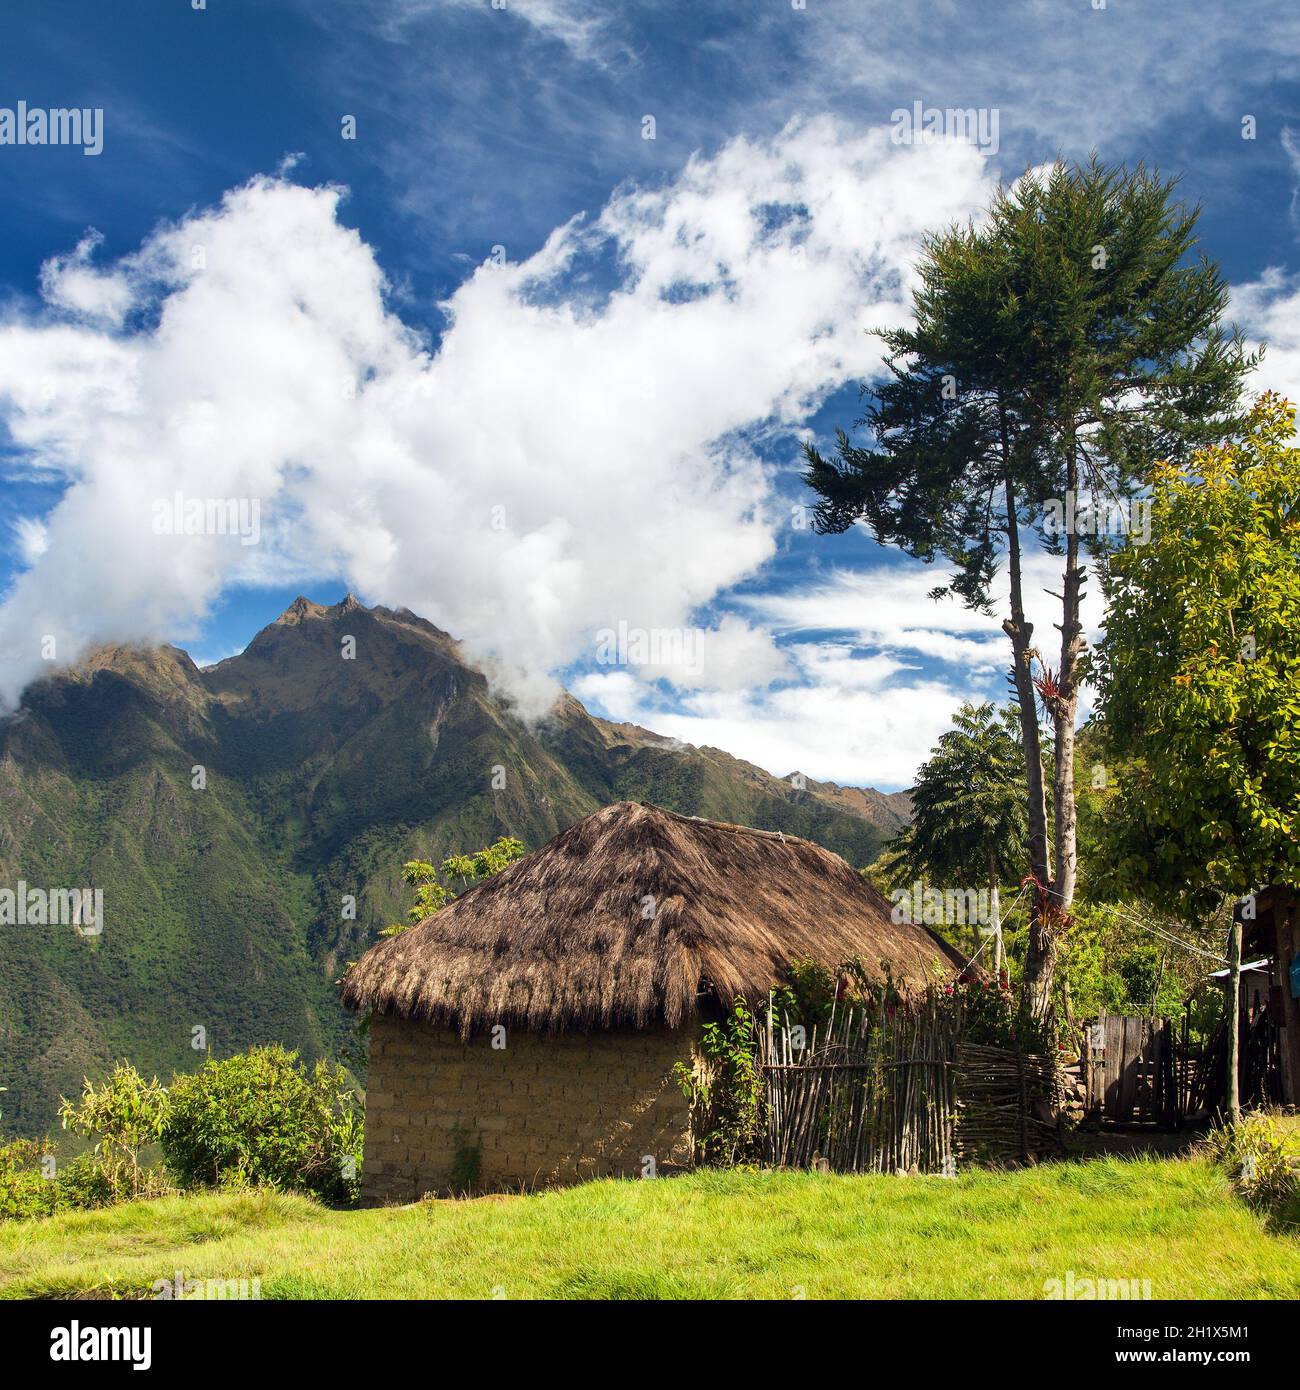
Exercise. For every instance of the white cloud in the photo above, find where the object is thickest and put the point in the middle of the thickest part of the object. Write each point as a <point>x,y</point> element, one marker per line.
<point>1116,72</point>
<point>619,694</point>
<point>561,461</point>
<point>866,705</point>
<point>30,538</point>
<point>73,283</point>
<point>829,732</point>
<point>888,607</point>
<point>1268,309</point>
<point>732,655</point>
<point>1291,148</point>
<point>583,29</point>
<point>847,722</point>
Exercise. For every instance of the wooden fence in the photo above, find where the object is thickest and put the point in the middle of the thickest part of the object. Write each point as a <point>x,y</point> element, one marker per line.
<point>1144,1071</point>
<point>1009,1104</point>
<point>1259,1067</point>
<point>900,1091</point>
<point>1131,1072</point>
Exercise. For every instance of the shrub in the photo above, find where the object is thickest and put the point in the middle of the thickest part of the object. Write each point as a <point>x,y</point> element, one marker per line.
<point>25,1190</point>
<point>123,1115</point>
<point>90,1181</point>
<point>261,1117</point>
<point>1255,1155</point>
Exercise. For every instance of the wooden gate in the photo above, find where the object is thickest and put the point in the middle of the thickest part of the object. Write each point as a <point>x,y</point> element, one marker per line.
<point>1130,1071</point>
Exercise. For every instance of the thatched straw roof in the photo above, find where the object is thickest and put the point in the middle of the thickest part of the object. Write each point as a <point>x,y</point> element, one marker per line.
<point>566,938</point>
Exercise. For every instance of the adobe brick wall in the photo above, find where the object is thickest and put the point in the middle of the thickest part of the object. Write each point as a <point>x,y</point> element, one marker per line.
<point>547,1109</point>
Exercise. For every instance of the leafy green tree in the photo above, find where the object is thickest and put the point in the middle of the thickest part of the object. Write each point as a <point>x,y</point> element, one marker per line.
<point>436,887</point>
<point>968,809</point>
<point>1061,346</point>
<point>1198,676</point>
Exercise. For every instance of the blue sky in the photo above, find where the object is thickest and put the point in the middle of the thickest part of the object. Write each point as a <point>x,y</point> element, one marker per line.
<point>551,426</point>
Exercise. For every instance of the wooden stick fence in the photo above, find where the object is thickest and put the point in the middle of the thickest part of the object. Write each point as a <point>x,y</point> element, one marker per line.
<point>1009,1104</point>
<point>898,1091</point>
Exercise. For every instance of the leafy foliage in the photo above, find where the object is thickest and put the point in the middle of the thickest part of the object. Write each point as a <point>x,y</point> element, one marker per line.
<point>990,1016</point>
<point>261,1117</point>
<point>968,805</point>
<point>1113,963</point>
<point>1255,1154</point>
<point>1198,678</point>
<point>1066,325</point>
<point>25,1190</point>
<point>727,1097</point>
<point>434,886</point>
<point>969,822</point>
<point>122,1115</point>
<point>32,1185</point>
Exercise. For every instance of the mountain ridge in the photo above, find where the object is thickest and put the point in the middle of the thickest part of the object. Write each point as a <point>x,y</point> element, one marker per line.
<point>248,820</point>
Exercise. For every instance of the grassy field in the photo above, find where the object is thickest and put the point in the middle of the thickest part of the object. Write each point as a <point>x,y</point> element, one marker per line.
<point>709,1235</point>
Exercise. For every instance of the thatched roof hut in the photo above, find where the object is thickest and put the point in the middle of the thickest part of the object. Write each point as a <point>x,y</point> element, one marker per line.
<point>633,917</point>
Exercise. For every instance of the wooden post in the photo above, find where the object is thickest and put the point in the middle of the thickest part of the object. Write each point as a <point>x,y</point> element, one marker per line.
<point>1234,1020</point>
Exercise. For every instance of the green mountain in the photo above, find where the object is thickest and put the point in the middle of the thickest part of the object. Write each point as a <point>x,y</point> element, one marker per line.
<point>247,824</point>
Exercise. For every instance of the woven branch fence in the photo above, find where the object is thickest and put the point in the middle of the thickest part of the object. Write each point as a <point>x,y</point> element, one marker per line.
<point>900,1092</point>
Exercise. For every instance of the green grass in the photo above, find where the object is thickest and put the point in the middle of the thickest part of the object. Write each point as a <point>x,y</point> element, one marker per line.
<point>709,1235</point>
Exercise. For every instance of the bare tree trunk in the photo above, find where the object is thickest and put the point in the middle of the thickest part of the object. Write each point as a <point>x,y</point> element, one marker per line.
<point>1021,633</point>
<point>1040,954</point>
<point>1064,713</point>
<point>1063,703</point>
<point>995,913</point>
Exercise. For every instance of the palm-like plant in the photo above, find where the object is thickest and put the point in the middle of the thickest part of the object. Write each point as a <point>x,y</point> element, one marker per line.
<point>969,826</point>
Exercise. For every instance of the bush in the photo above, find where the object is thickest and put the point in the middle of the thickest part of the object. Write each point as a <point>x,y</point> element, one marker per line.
<point>24,1188</point>
<point>123,1115</point>
<point>726,1093</point>
<point>30,1185</point>
<point>1255,1154</point>
<point>263,1118</point>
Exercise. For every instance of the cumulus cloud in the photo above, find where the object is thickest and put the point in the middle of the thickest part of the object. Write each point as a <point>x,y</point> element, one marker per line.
<point>888,607</point>
<point>30,538</point>
<point>1268,309</point>
<point>566,457</point>
<point>73,283</point>
<point>731,655</point>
